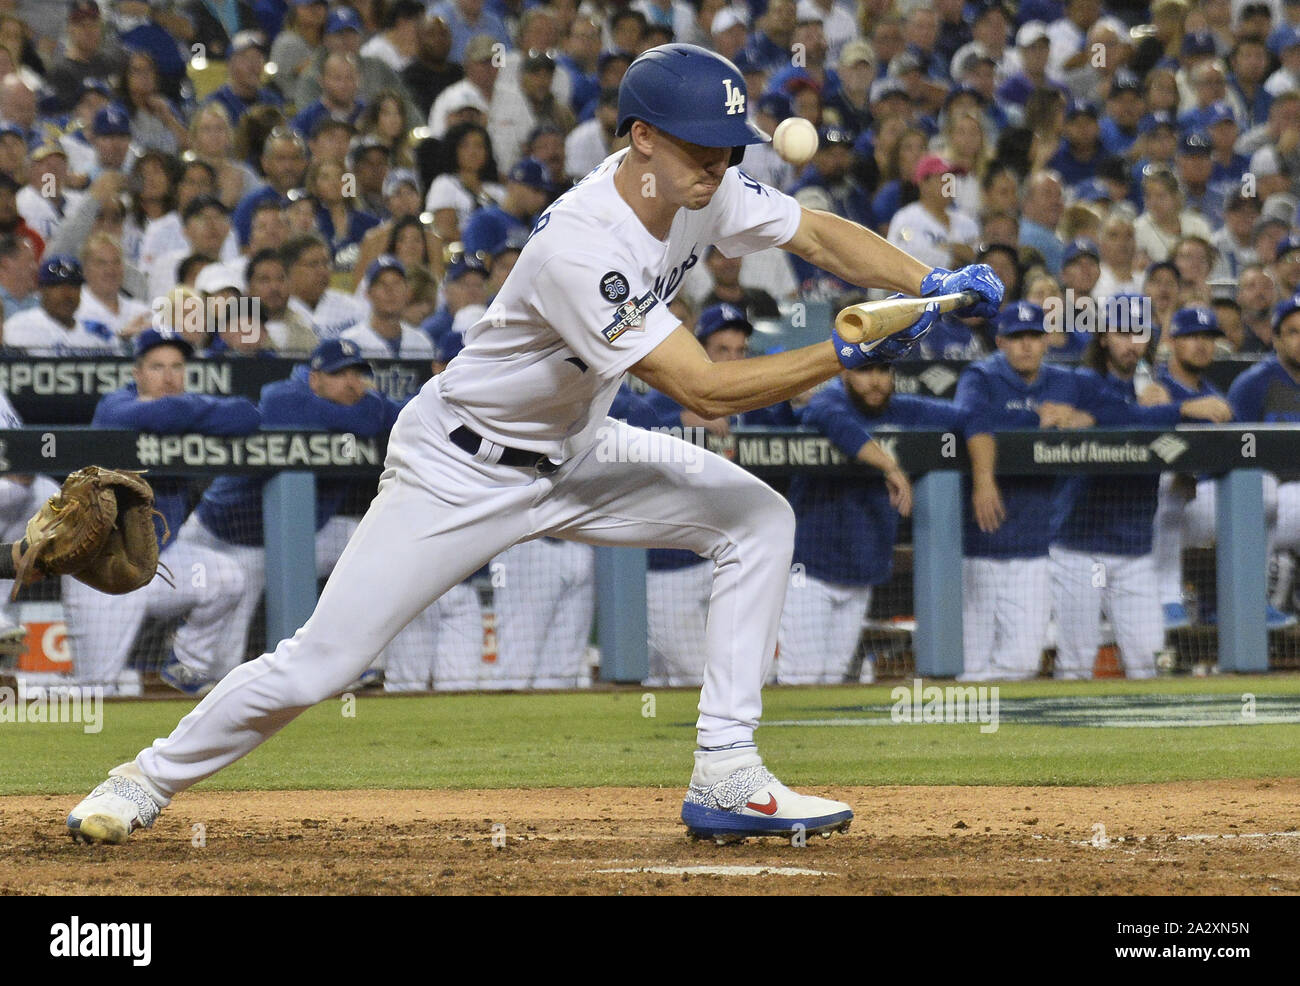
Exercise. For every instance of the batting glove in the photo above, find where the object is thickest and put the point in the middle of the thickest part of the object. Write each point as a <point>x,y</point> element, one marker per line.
<point>978,278</point>
<point>855,355</point>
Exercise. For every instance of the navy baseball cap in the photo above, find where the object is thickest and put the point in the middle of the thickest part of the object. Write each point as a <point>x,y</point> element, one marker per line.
<point>1195,143</point>
<point>465,264</point>
<point>1125,83</point>
<point>1199,43</point>
<point>334,355</point>
<point>514,240</point>
<point>882,89</point>
<point>1292,304</point>
<point>385,262</point>
<point>1286,245</point>
<point>776,104</point>
<point>1196,320</point>
<point>1020,317</point>
<point>1283,38</point>
<point>531,172</point>
<point>1164,265</point>
<point>1219,112</point>
<point>1160,118</point>
<point>112,121</point>
<point>61,268</point>
<point>343,19</point>
<point>1127,313</point>
<point>718,317</point>
<point>1082,247</point>
<point>1081,107</point>
<point>153,338</point>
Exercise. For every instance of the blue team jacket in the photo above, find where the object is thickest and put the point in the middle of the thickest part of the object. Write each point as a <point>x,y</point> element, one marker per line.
<point>995,398</point>
<point>232,506</point>
<point>846,525</point>
<point>1112,514</point>
<point>176,415</point>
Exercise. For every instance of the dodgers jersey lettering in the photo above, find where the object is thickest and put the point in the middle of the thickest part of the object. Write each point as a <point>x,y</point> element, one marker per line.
<point>587,299</point>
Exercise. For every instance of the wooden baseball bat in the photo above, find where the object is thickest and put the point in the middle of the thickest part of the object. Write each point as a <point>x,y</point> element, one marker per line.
<point>874,320</point>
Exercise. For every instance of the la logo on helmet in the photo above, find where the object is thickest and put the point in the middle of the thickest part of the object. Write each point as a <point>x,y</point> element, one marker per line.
<point>735,99</point>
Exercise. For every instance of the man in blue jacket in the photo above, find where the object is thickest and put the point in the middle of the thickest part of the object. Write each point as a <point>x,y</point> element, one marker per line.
<point>331,392</point>
<point>846,526</point>
<point>1006,597</point>
<point>1102,555</point>
<point>1270,392</point>
<point>208,585</point>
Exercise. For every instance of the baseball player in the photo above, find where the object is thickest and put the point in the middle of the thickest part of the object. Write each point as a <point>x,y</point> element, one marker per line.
<point>1101,557</point>
<point>208,585</point>
<point>679,583</point>
<point>54,329</point>
<point>1186,513</point>
<point>330,392</point>
<point>845,530</point>
<point>1270,392</point>
<point>20,497</point>
<point>1006,588</point>
<point>502,447</point>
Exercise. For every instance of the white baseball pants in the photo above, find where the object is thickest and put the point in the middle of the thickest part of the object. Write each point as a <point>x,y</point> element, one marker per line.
<point>251,559</point>
<point>543,605</point>
<point>1125,587</point>
<point>442,648</point>
<point>102,628</point>
<point>1005,608</point>
<point>1183,524</point>
<point>441,514</point>
<point>677,611</point>
<point>820,629</point>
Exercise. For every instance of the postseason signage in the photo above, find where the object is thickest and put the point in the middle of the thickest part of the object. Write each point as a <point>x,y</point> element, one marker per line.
<point>65,391</point>
<point>1201,449</point>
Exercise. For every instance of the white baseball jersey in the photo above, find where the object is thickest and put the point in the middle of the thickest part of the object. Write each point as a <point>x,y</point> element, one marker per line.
<point>413,343</point>
<point>9,418</point>
<point>334,313</point>
<point>37,333</point>
<point>40,214</point>
<point>585,301</point>
<point>915,230</point>
<point>92,309</point>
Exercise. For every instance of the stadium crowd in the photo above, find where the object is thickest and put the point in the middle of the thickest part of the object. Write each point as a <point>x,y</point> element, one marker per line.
<point>270,177</point>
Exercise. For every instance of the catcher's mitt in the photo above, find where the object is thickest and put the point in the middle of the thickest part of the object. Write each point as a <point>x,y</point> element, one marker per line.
<point>98,528</point>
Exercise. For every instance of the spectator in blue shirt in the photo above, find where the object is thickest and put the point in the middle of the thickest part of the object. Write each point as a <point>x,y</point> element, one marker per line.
<point>467,18</point>
<point>242,88</point>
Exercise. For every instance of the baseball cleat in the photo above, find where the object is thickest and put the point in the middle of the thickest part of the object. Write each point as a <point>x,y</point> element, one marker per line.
<point>114,810</point>
<point>751,802</point>
<point>185,680</point>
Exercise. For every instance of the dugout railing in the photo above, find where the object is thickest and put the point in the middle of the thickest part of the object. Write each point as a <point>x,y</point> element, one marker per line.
<point>1237,456</point>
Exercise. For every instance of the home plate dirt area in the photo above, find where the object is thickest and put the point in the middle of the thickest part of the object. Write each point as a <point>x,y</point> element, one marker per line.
<point>1212,837</point>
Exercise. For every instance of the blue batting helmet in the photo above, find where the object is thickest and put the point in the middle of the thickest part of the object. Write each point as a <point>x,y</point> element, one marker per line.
<point>692,93</point>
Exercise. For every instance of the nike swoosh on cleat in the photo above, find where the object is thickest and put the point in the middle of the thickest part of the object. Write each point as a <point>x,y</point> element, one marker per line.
<point>767,809</point>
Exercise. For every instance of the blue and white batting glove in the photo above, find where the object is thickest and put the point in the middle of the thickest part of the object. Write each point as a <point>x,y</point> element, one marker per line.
<point>855,355</point>
<point>978,278</point>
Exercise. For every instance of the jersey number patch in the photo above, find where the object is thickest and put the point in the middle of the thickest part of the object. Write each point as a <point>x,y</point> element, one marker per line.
<point>735,99</point>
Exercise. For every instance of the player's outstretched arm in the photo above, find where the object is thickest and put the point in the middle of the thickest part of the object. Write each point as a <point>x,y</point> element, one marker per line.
<point>855,254</point>
<point>680,368</point>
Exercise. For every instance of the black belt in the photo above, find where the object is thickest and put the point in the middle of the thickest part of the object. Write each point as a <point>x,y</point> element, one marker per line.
<point>471,441</point>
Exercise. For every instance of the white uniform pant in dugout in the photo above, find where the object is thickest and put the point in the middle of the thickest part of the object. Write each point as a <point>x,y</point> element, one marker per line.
<point>441,514</point>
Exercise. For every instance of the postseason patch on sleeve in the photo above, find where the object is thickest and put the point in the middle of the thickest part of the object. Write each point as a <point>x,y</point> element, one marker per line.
<point>614,287</point>
<point>629,315</point>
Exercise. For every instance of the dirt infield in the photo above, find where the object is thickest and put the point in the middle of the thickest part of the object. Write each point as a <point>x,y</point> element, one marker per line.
<point>1220,837</point>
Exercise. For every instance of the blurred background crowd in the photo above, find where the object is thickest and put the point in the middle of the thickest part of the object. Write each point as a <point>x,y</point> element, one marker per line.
<point>277,148</point>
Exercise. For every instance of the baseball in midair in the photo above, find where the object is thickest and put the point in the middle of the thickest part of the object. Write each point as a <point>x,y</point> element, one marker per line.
<point>795,140</point>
